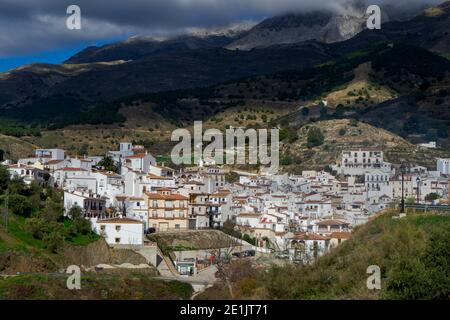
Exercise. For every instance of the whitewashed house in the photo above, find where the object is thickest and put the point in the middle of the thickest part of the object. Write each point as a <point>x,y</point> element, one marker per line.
<point>121,231</point>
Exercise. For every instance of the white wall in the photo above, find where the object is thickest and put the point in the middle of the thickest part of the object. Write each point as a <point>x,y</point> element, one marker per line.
<point>129,233</point>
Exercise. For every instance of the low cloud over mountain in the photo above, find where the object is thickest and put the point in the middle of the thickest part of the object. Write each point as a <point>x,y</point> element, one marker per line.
<point>27,26</point>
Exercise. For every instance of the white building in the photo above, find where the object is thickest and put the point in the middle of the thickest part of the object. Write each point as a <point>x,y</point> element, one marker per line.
<point>121,231</point>
<point>139,162</point>
<point>359,161</point>
<point>27,173</point>
<point>443,166</point>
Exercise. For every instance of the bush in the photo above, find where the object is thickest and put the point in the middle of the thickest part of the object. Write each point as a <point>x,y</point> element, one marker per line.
<point>36,227</point>
<point>353,123</point>
<point>80,224</point>
<point>315,137</point>
<point>108,164</point>
<point>20,205</point>
<point>228,228</point>
<point>4,178</point>
<point>431,196</point>
<point>16,186</point>
<point>286,160</point>
<point>288,134</point>
<point>53,211</point>
<point>51,233</point>
<point>54,237</point>
<point>249,239</point>
<point>342,131</point>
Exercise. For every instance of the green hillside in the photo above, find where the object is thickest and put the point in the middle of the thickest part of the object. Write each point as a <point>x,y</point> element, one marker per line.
<point>413,254</point>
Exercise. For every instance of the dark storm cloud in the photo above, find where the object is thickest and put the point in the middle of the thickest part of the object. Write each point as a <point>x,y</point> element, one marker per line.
<point>28,26</point>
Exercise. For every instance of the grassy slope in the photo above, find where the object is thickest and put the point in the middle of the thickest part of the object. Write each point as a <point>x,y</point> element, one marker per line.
<point>24,252</point>
<point>20,240</point>
<point>16,147</point>
<point>413,254</point>
<point>20,251</point>
<point>94,286</point>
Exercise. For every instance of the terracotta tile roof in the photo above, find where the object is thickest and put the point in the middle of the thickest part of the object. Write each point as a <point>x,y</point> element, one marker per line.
<point>332,222</point>
<point>136,156</point>
<point>309,236</point>
<point>341,235</point>
<point>221,193</point>
<point>173,196</point>
<point>73,169</point>
<point>120,220</point>
<point>54,161</point>
<point>249,214</point>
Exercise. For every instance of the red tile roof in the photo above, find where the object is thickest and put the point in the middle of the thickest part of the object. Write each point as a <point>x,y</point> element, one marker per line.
<point>332,222</point>
<point>341,235</point>
<point>173,196</point>
<point>309,236</point>
<point>120,220</point>
<point>72,169</point>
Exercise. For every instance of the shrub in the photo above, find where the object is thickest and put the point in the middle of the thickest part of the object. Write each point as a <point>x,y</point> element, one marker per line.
<point>20,205</point>
<point>53,211</point>
<point>432,196</point>
<point>353,123</point>
<point>249,239</point>
<point>315,137</point>
<point>286,160</point>
<point>4,178</point>
<point>54,237</point>
<point>16,186</point>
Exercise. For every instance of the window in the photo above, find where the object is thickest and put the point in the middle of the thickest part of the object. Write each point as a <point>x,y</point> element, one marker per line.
<point>117,240</point>
<point>102,228</point>
<point>177,226</point>
<point>117,228</point>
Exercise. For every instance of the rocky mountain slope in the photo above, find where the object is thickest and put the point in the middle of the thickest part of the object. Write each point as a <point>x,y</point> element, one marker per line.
<point>143,66</point>
<point>322,26</point>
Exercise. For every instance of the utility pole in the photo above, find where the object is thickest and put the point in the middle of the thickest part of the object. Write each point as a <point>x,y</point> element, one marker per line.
<point>448,190</point>
<point>6,210</point>
<point>418,189</point>
<point>402,169</point>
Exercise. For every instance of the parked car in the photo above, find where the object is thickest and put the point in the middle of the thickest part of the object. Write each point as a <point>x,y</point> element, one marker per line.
<point>249,253</point>
<point>282,255</point>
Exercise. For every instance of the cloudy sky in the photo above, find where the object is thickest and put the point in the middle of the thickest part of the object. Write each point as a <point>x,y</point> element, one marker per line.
<point>35,30</point>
